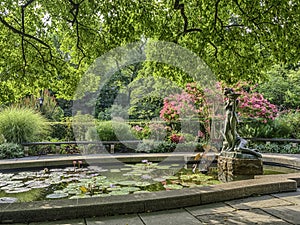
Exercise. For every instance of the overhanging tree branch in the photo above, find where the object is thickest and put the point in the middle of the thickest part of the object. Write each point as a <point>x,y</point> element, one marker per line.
<point>23,31</point>
<point>180,6</point>
<point>216,12</point>
<point>13,29</point>
<point>186,30</point>
<point>75,11</point>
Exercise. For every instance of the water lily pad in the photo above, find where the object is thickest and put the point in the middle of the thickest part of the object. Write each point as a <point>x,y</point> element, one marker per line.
<point>170,177</point>
<point>135,174</point>
<point>100,178</point>
<point>119,192</point>
<point>189,184</point>
<point>17,190</point>
<point>72,192</point>
<point>146,177</point>
<point>59,192</point>
<point>173,187</point>
<point>185,177</point>
<point>56,170</point>
<point>130,189</point>
<point>2,184</point>
<point>159,179</point>
<point>18,177</point>
<point>127,183</point>
<point>126,169</point>
<point>7,187</point>
<point>7,175</point>
<point>115,171</point>
<point>39,185</point>
<point>114,188</point>
<point>57,195</point>
<point>8,200</point>
<point>142,184</point>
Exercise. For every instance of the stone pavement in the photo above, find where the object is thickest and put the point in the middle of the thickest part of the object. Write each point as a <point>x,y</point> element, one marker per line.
<point>283,208</point>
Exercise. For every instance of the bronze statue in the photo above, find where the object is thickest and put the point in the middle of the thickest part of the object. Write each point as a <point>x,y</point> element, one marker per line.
<point>232,141</point>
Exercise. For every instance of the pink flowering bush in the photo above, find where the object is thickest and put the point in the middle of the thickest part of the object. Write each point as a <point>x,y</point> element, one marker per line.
<point>141,132</point>
<point>191,103</point>
<point>177,138</point>
<point>177,107</point>
<point>257,114</point>
<point>254,105</point>
<point>158,131</point>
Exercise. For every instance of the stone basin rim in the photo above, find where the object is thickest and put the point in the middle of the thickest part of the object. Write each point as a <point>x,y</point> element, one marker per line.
<point>162,200</point>
<point>292,160</point>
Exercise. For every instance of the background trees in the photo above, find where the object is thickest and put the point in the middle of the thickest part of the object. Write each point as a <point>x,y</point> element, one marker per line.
<point>49,45</point>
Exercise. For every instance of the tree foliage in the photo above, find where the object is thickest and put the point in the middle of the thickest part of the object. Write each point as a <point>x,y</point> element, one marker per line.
<point>283,87</point>
<point>50,44</point>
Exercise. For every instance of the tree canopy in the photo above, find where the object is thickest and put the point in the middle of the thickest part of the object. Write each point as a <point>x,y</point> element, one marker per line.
<point>50,44</point>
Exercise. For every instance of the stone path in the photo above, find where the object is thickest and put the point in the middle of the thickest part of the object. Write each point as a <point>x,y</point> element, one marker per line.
<point>283,208</point>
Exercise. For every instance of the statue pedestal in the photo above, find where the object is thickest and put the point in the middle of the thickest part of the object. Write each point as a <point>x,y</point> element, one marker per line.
<point>238,166</point>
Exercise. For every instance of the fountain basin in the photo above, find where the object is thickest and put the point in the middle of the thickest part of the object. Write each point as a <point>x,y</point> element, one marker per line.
<point>154,201</point>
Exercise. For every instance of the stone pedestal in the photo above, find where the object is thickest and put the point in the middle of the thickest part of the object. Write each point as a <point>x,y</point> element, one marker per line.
<point>238,166</point>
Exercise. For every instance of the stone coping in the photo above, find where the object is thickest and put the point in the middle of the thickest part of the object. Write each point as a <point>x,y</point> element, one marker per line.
<point>292,160</point>
<point>138,203</point>
<point>65,160</point>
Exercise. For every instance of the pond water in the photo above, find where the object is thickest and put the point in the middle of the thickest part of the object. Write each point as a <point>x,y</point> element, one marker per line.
<point>95,181</point>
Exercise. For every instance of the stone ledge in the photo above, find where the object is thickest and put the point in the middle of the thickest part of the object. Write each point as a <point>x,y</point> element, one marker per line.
<point>138,203</point>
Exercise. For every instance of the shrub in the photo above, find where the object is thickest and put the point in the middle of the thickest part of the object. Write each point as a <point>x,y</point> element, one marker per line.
<point>49,108</point>
<point>148,146</point>
<point>10,150</point>
<point>283,148</point>
<point>62,130</point>
<point>81,124</point>
<point>18,125</point>
<point>290,120</point>
<point>114,131</point>
<point>177,138</point>
<point>189,147</point>
<point>141,132</point>
<point>286,125</point>
<point>153,146</point>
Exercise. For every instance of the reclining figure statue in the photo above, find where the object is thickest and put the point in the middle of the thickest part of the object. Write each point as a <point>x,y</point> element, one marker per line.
<point>232,141</point>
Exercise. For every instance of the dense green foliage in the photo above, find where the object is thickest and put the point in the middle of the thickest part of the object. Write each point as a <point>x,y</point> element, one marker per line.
<point>18,125</point>
<point>282,88</point>
<point>50,44</point>
<point>62,130</point>
<point>11,150</point>
<point>45,103</point>
<point>283,148</point>
<point>153,146</point>
<point>286,125</point>
<point>112,131</point>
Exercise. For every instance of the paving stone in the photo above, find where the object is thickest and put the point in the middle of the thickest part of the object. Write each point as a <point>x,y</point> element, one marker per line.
<point>264,201</point>
<point>293,197</point>
<point>210,209</point>
<point>241,217</point>
<point>287,213</point>
<point>62,222</point>
<point>171,217</point>
<point>133,219</point>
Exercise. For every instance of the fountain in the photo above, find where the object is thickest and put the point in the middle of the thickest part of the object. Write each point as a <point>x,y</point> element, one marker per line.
<point>236,161</point>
